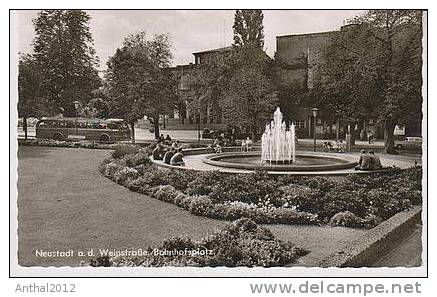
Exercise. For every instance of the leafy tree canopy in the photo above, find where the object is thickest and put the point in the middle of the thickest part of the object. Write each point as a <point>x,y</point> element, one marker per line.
<point>137,82</point>
<point>63,51</point>
<point>372,70</point>
<point>248,28</point>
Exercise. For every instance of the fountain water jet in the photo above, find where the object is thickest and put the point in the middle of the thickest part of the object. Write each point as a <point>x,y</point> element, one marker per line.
<point>278,142</point>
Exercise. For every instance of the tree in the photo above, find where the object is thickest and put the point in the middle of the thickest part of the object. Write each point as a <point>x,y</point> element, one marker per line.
<point>28,90</point>
<point>136,81</point>
<point>205,83</point>
<point>248,28</point>
<point>97,107</point>
<point>372,69</point>
<point>63,49</point>
<point>249,94</point>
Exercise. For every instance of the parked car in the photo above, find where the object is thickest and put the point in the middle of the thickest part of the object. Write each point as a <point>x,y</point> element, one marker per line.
<point>211,134</point>
<point>410,143</point>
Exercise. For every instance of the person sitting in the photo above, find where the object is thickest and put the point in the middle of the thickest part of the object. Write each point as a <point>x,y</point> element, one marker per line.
<point>375,162</point>
<point>178,158</point>
<point>362,153</point>
<point>249,144</point>
<point>158,152</point>
<point>175,145</point>
<point>168,138</point>
<point>218,148</point>
<point>327,146</point>
<point>364,161</point>
<point>168,155</point>
<point>334,146</point>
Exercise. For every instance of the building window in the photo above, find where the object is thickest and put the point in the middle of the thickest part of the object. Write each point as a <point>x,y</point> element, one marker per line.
<point>299,124</point>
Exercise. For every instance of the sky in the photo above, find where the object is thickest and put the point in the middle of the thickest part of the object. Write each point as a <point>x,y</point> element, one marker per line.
<point>190,30</point>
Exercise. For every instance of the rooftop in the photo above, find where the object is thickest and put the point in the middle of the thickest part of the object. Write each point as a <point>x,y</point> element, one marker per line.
<point>305,34</point>
<point>220,50</point>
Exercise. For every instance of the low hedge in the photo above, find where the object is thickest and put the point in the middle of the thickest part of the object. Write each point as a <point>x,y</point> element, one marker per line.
<point>67,144</point>
<point>240,243</point>
<point>359,201</point>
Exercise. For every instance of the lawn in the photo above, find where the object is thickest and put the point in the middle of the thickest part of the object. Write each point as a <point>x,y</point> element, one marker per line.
<point>64,203</point>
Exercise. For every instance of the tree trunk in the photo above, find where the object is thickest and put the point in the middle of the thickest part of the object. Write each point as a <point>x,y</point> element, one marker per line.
<point>389,141</point>
<point>132,128</point>
<point>156,127</point>
<point>25,127</point>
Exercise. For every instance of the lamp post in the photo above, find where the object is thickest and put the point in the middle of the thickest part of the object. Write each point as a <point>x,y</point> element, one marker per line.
<point>76,106</point>
<point>315,111</point>
<point>198,124</point>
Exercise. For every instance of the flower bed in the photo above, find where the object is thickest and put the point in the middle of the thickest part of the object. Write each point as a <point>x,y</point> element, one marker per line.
<point>70,144</point>
<point>240,243</point>
<point>359,201</point>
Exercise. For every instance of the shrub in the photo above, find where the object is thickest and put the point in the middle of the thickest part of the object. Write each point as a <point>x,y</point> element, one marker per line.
<point>110,169</point>
<point>133,160</point>
<point>384,204</point>
<point>121,176</point>
<point>201,205</point>
<point>414,196</point>
<point>184,201</point>
<point>139,184</point>
<point>166,193</point>
<point>203,182</point>
<point>179,178</point>
<point>178,243</point>
<point>240,243</point>
<point>236,210</point>
<point>121,150</point>
<point>346,219</point>
<point>244,188</point>
<point>103,261</point>
<point>155,177</point>
<point>357,200</point>
<point>335,202</point>
<point>302,197</point>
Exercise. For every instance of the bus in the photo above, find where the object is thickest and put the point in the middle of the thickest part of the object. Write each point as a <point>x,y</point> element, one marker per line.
<point>60,129</point>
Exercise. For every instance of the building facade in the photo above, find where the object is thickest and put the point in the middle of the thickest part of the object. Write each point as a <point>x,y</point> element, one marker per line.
<point>296,59</point>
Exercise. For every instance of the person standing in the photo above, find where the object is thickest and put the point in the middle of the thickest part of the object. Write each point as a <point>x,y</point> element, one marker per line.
<point>249,144</point>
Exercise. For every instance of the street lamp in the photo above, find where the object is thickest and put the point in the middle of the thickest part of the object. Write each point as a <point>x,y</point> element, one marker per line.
<point>76,106</point>
<point>198,124</point>
<point>315,111</point>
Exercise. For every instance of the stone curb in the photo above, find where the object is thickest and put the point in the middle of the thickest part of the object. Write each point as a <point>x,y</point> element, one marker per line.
<point>366,249</point>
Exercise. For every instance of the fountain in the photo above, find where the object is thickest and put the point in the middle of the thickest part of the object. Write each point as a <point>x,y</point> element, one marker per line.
<point>277,155</point>
<point>278,142</point>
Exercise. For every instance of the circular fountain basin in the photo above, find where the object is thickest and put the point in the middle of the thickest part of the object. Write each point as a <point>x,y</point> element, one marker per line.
<point>304,162</point>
